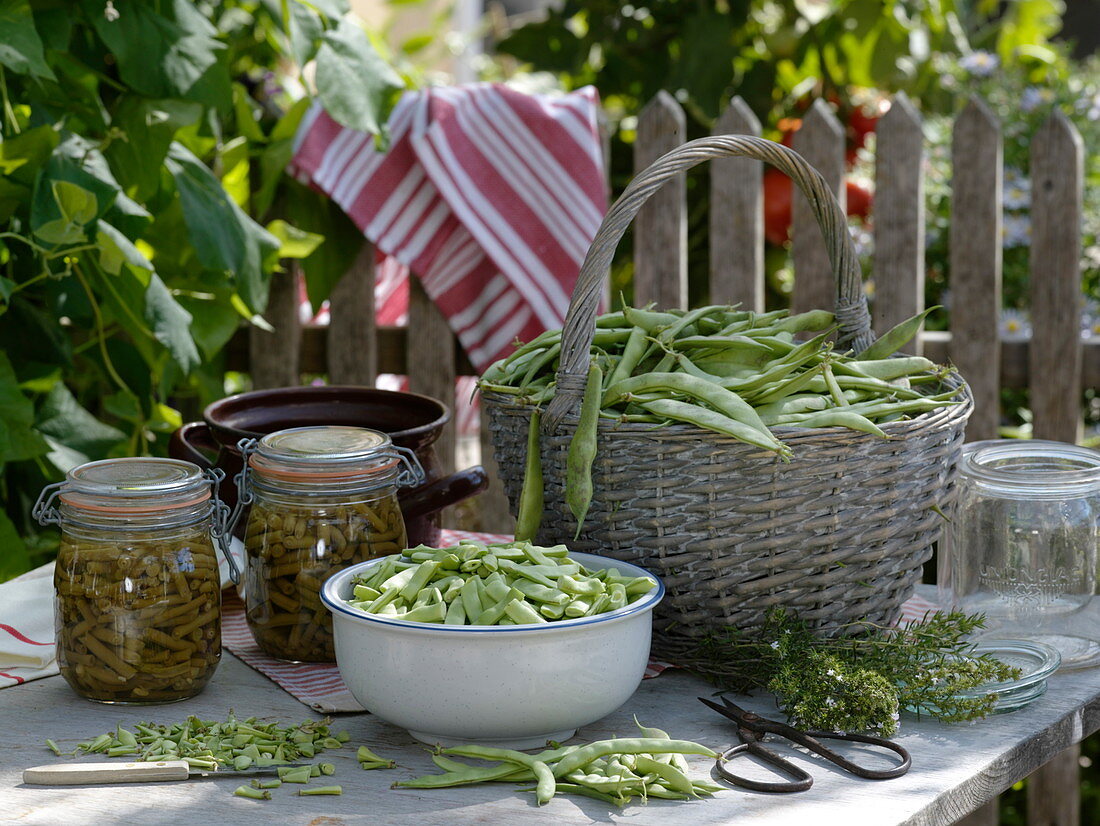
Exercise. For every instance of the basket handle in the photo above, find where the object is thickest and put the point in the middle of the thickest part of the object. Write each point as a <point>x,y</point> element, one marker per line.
<point>580,321</point>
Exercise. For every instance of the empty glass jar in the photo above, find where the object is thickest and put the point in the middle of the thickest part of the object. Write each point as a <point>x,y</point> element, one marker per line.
<point>323,498</point>
<point>1022,544</point>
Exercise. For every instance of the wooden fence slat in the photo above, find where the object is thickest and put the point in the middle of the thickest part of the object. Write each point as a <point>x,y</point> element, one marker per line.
<point>987,815</point>
<point>431,359</point>
<point>899,217</point>
<point>975,261</point>
<point>1053,793</point>
<point>821,142</point>
<point>737,217</point>
<point>1057,187</point>
<point>273,357</point>
<point>660,228</point>
<point>352,334</point>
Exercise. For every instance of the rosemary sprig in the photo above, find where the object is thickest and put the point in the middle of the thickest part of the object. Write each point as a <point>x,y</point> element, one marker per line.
<point>860,678</point>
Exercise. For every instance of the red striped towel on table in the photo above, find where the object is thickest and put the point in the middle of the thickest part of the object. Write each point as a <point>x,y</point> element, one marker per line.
<point>491,196</point>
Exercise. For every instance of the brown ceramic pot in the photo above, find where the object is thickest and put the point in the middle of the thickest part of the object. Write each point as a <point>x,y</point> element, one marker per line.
<point>411,420</point>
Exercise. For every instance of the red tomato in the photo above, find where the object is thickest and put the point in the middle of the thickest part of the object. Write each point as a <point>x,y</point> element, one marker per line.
<point>859,199</point>
<point>777,207</point>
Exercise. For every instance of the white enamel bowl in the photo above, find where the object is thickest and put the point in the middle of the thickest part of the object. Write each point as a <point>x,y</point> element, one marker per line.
<point>514,686</point>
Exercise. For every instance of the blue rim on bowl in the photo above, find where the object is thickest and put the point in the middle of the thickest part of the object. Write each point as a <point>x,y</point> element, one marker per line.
<point>332,600</point>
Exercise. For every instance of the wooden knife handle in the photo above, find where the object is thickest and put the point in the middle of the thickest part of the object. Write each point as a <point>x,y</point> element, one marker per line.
<point>71,774</point>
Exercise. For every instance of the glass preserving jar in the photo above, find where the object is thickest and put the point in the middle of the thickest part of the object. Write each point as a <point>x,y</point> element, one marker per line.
<point>322,498</point>
<point>1022,544</point>
<point>138,610</point>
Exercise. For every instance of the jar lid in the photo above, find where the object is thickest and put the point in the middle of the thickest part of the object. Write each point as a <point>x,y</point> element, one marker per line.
<point>134,485</point>
<point>324,454</point>
<point>1035,467</point>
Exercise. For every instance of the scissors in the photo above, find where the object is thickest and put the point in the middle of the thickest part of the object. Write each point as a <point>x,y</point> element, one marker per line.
<point>752,729</point>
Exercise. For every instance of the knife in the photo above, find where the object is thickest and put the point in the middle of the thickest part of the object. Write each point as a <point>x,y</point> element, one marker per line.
<point>72,774</point>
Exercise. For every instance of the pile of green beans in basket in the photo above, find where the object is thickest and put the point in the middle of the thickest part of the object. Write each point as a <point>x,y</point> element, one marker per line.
<point>506,583</point>
<point>732,371</point>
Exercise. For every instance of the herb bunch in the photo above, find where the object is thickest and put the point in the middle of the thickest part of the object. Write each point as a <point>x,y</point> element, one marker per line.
<point>860,679</point>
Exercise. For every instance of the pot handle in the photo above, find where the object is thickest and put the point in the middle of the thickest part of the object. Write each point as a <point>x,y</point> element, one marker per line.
<point>443,493</point>
<point>192,442</point>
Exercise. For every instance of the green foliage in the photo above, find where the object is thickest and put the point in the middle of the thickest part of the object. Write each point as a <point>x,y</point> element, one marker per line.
<point>859,679</point>
<point>143,211</point>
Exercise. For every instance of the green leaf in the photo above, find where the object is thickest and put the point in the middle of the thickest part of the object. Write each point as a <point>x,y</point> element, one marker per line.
<point>305,28</point>
<point>287,127</point>
<point>115,249</point>
<point>213,322</point>
<point>60,233</point>
<point>6,287</point>
<point>295,243</point>
<point>246,109</point>
<point>12,196</point>
<point>14,558</point>
<point>19,440</point>
<point>77,205</point>
<point>234,160</point>
<point>150,126</point>
<point>161,51</point>
<point>171,324</point>
<point>67,424</point>
<point>22,156</point>
<point>356,86</point>
<point>310,211</point>
<point>20,45</point>
<point>224,237</point>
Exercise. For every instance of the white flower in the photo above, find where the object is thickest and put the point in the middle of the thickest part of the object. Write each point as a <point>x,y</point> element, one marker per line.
<point>1016,231</point>
<point>110,13</point>
<point>775,645</point>
<point>830,702</point>
<point>1034,97</point>
<point>980,64</point>
<point>1017,190</point>
<point>1014,326</point>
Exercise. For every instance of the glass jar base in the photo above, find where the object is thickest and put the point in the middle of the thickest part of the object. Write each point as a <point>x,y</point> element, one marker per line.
<point>1077,652</point>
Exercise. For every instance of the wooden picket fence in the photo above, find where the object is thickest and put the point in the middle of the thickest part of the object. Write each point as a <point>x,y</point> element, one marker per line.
<point>1055,365</point>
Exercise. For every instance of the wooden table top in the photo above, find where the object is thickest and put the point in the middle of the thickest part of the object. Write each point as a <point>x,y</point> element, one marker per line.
<point>956,768</point>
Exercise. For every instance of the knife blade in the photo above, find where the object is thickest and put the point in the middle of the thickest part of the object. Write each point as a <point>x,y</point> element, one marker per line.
<point>72,774</point>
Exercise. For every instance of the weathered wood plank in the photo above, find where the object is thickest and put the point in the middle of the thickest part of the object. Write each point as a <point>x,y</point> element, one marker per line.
<point>737,217</point>
<point>430,364</point>
<point>899,217</point>
<point>987,815</point>
<point>1057,187</point>
<point>975,261</point>
<point>273,356</point>
<point>1053,792</point>
<point>821,142</point>
<point>352,342</point>
<point>660,228</point>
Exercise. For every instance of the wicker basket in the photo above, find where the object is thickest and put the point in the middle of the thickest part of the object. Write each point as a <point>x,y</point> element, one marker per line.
<point>838,534</point>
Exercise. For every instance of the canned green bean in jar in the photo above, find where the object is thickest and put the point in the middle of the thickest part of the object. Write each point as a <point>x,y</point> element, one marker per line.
<point>138,609</point>
<point>322,498</point>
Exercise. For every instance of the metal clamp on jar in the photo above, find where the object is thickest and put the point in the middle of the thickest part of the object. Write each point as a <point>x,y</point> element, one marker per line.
<point>138,610</point>
<point>322,498</point>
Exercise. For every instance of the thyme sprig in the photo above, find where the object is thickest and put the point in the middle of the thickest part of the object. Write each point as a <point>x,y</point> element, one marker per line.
<point>860,678</point>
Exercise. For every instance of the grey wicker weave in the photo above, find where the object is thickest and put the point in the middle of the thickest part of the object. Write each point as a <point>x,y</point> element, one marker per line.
<point>838,534</point>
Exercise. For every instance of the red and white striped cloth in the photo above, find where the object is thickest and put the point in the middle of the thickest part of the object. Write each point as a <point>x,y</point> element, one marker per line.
<point>491,196</point>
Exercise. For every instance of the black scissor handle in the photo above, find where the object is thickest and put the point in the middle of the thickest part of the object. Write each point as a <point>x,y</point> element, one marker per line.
<point>812,741</point>
<point>801,778</point>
